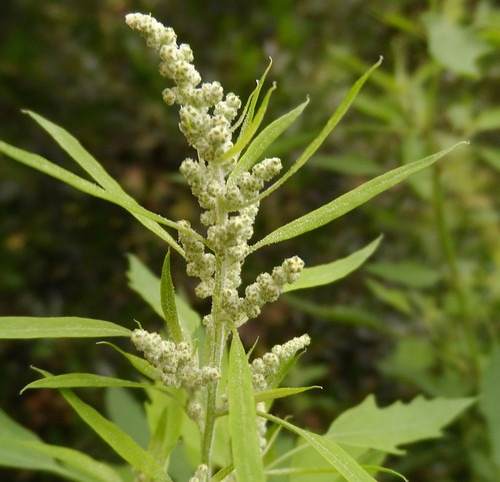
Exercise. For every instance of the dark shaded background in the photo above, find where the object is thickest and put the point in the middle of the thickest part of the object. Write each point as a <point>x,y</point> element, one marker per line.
<point>64,253</point>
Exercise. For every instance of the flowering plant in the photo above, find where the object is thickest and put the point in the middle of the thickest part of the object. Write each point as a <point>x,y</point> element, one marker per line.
<point>206,400</point>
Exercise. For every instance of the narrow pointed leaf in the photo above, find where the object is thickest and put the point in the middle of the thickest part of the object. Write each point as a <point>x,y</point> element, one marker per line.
<point>331,272</point>
<point>325,132</point>
<point>333,453</point>
<point>72,459</point>
<point>77,152</point>
<point>81,380</point>
<point>167,297</point>
<point>118,440</point>
<point>141,365</point>
<point>242,418</point>
<point>43,165</point>
<point>19,327</point>
<point>349,201</point>
<point>147,285</point>
<point>247,136</point>
<point>127,413</point>
<point>266,138</point>
<point>247,115</point>
<point>275,393</point>
<point>147,218</point>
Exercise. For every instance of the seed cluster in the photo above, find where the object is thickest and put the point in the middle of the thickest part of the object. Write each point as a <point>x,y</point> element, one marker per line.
<point>266,367</point>
<point>176,362</point>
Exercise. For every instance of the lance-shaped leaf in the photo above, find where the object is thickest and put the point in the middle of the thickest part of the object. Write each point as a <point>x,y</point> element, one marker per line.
<point>141,365</point>
<point>118,440</point>
<point>113,191</point>
<point>19,327</point>
<point>325,132</point>
<point>349,201</point>
<point>275,393</point>
<point>167,298</point>
<point>266,138</point>
<point>82,380</point>
<point>387,428</point>
<point>242,418</point>
<point>41,164</point>
<point>247,115</point>
<point>333,453</point>
<point>88,467</point>
<point>147,285</point>
<point>331,272</point>
<point>247,136</point>
<point>127,413</point>
<point>76,151</point>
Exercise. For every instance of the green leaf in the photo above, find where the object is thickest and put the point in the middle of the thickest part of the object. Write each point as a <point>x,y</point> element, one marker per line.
<point>412,274</point>
<point>266,138</point>
<point>349,201</point>
<point>189,319</point>
<point>274,393</point>
<point>247,136</point>
<point>147,218</point>
<point>248,112</point>
<point>167,298</point>
<point>81,380</point>
<point>454,46</point>
<point>242,418</point>
<point>43,165</point>
<point>490,401</point>
<point>333,453</point>
<point>324,133</point>
<point>331,272</point>
<point>147,285</point>
<point>77,152</point>
<point>22,327</point>
<point>141,365</point>
<point>393,297</point>
<point>118,440</point>
<point>21,457</point>
<point>386,429</point>
<point>71,458</point>
<point>127,413</point>
<point>22,449</point>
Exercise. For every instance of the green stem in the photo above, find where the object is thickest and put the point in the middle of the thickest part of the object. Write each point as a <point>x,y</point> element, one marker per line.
<point>448,248</point>
<point>215,341</point>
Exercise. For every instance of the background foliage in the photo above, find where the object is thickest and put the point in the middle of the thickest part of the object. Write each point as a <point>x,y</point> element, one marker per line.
<point>422,317</point>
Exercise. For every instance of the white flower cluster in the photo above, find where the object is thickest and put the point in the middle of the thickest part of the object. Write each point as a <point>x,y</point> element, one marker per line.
<point>177,363</point>
<point>201,474</point>
<point>208,132</point>
<point>268,287</point>
<point>206,117</point>
<point>266,367</point>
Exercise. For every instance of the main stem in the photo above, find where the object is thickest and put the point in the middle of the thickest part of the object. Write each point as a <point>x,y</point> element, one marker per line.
<point>215,341</point>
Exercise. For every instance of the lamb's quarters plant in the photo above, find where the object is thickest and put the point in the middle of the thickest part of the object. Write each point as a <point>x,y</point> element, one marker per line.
<point>209,400</point>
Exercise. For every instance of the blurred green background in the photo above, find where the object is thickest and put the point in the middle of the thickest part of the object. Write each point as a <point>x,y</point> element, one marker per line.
<point>420,317</point>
